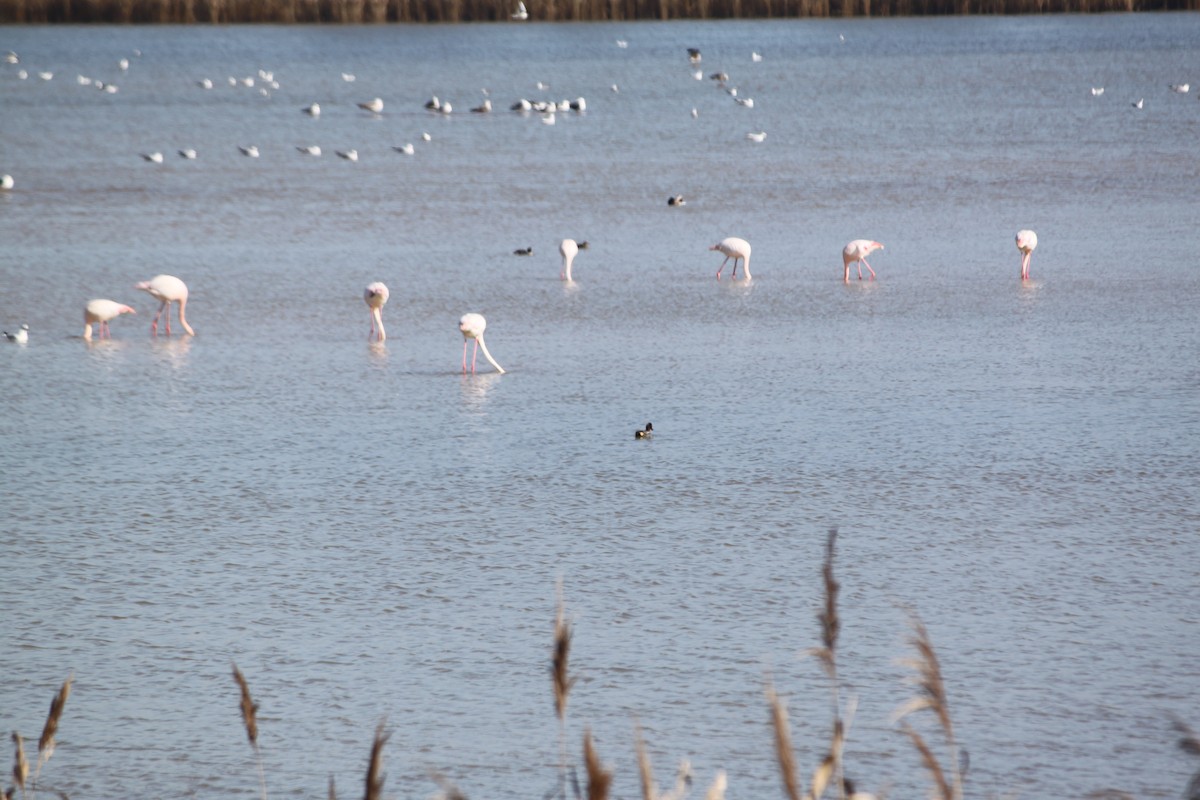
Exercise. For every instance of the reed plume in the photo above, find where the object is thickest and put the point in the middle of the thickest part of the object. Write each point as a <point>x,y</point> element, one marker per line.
<point>649,789</point>
<point>250,720</point>
<point>46,741</point>
<point>1188,743</point>
<point>599,779</point>
<point>20,763</point>
<point>830,770</point>
<point>783,744</point>
<point>931,695</point>
<point>375,776</point>
<point>562,681</point>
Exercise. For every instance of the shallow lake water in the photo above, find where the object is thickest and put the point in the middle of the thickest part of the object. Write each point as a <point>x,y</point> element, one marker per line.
<point>369,534</point>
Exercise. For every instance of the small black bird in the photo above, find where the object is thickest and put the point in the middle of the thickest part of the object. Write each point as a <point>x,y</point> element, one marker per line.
<point>644,434</point>
<point>523,251</point>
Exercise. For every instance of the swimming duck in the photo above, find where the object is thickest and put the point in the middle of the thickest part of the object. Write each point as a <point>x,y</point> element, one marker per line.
<point>644,434</point>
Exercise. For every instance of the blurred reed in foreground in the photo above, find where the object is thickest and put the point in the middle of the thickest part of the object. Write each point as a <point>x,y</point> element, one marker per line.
<point>383,11</point>
<point>947,774</point>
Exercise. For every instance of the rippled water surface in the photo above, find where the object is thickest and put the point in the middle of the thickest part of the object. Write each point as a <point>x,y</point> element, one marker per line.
<point>369,534</point>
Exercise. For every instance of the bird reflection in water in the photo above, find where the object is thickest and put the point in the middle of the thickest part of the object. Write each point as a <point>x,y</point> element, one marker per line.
<point>172,352</point>
<point>475,390</point>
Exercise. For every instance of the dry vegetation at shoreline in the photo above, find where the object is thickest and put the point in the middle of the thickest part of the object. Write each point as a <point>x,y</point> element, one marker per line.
<point>385,11</point>
<point>947,775</point>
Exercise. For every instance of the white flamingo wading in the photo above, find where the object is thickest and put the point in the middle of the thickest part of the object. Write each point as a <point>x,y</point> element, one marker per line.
<point>376,297</point>
<point>1026,243</point>
<point>101,311</point>
<point>737,249</point>
<point>568,250</point>
<point>167,289</point>
<point>472,327</point>
<point>857,251</point>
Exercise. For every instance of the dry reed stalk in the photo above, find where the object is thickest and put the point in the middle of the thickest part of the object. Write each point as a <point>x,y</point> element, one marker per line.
<point>931,695</point>
<point>562,681</point>
<point>375,777</point>
<point>250,719</point>
<point>831,769</point>
<point>450,791</point>
<point>930,762</point>
<point>717,790</point>
<point>20,763</point>
<point>562,652</point>
<point>783,744</point>
<point>599,779</point>
<point>46,741</point>
<point>649,789</point>
<point>1189,743</point>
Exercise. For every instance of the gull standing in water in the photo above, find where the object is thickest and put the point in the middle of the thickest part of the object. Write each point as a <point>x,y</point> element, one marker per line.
<point>167,289</point>
<point>311,150</point>
<point>101,311</point>
<point>374,106</point>
<point>187,153</point>
<point>313,110</point>
<point>737,249</point>
<point>857,251</point>
<point>251,151</point>
<point>21,336</point>
<point>376,297</point>
<point>472,327</point>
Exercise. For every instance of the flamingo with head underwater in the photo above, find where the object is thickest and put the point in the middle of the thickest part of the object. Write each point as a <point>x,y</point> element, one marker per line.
<point>1026,243</point>
<point>568,249</point>
<point>858,250</point>
<point>101,311</point>
<point>376,297</point>
<point>167,289</point>
<point>472,327</point>
<point>736,249</point>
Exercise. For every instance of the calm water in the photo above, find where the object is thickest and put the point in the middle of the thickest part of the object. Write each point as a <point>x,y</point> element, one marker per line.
<point>369,534</point>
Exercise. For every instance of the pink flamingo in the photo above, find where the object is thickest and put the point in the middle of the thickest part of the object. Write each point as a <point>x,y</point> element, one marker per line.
<point>167,289</point>
<point>1026,243</point>
<point>568,250</point>
<point>376,297</point>
<point>472,326</point>
<point>736,249</point>
<point>858,250</point>
<point>102,311</point>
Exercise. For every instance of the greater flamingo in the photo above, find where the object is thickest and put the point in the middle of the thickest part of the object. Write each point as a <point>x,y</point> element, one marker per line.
<point>568,250</point>
<point>167,289</point>
<point>858,250</point>
<point>376,297</point>
<point>647,433</point>
<point>472,327</point>
<point>1026,243</point>
<point>101,311</point>
<point>736,249</point>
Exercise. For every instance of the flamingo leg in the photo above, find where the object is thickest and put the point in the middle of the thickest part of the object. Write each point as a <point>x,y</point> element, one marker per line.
<point>103,329</point>
<point>723,263</point>
<point>869,269</point>
<point>1025,266</point>
<point>846,273</point>
<point>733,275</point>
<point>154,322</point>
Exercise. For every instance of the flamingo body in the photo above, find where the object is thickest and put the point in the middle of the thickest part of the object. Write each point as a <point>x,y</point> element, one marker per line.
<point>857,252</point>
<point>376,297</point>
<point>167,289</point>
<point>101,311</point>
<point>1026,243</point>
<point>737,249</point>
<point>568,250</point>
<point>472,326</point>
